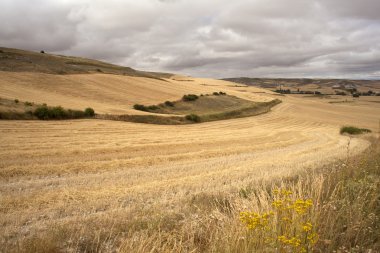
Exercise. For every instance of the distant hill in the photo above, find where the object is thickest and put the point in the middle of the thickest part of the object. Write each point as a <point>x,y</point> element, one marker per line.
<point>16,60</point>
<point>303,82</point>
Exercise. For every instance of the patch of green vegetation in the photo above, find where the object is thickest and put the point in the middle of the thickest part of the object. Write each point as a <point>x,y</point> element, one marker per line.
<point>145,108</point>
<point>341,102</point>
<point>256,109</point>
<point>169,103</point>
<point>12,115</point>
<point>353,130</point>
<point>147,119</point>
<point>89,112</point>
<point>220,93</point>
<point>58,112</point>
<point>190,97</point>
<point>14,110</point>
<point>202,109</point>
<point>193,117</point>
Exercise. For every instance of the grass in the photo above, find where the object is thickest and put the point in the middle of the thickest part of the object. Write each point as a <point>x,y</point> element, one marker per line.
<point>16,60</point>
<point>342,215</point>
<point>353,130</point>
<point>337,204</point>
<point>13,110</point>
<point>147,119</point>
<point>205,108</point>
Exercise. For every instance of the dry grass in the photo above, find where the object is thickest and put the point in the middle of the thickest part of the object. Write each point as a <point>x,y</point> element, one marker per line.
<point>96,185</point>
<point>203,109</point>
<point>16,60</point>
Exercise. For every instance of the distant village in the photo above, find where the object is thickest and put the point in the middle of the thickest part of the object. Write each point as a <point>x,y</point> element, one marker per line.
<point>340,90</point>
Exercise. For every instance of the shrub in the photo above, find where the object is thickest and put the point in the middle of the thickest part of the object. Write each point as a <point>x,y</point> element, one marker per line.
<point>42,51</point>
<point>17,101</point>
<point>57,113</point>
<point>190,97</point>
<point>222,93</point>
<point>140,107</point>
<point>153,107</point>
<point>169,103</point>
<point>355,95</point>
<point>89,112</point>
<point>45,113</point>
<point>215,93</point>
<point>193,117</point>
<point>42,112</point>
<point>76,114</point>
<point>353,130</point>
<point>28,103</point>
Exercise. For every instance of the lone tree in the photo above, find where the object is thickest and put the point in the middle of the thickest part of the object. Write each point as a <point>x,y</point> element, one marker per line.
<point>42,51</point>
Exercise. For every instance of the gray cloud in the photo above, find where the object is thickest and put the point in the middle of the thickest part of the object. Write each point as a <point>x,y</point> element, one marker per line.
<point>216,38</point>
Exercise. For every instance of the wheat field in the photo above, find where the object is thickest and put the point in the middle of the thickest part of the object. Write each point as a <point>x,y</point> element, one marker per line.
<point>95,175</point>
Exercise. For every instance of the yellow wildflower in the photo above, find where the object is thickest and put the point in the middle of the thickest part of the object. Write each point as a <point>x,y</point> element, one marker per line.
<point>307,227</point>
<point>255,220</point>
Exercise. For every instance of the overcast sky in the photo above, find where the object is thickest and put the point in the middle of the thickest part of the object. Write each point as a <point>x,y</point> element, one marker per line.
<point>210,38</point>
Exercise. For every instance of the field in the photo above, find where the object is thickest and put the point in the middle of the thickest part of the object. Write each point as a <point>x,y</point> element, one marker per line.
<point>93,185</point>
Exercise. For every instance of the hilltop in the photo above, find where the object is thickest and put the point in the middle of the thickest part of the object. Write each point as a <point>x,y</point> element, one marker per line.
<point>16,60</point>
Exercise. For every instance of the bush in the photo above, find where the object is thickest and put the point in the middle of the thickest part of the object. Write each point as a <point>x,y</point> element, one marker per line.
<point>153,107</point>
<point>353,130</point>
<point>193,117</point>
<point>190,97</point>
<point>140,107</point>
<point>57,113</point>
<point>169,103</point>
<point>89,112</point>
<point>215,93</point>
<point>145,108</point>
<point>42,112</point>
<point>42,51</point>
<point>222,93</point>
<point>45,113</point>
<point>76,114</point>
<point>28,103</point>
<point>17,101</point>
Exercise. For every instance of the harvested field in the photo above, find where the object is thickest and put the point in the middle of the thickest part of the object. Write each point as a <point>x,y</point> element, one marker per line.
<point>89,176</point>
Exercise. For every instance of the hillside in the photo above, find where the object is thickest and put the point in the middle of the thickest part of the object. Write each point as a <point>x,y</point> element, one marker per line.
<point>96,185</point>
<point>78,83</point>
<point>16,60</point>
<point>324,85</point>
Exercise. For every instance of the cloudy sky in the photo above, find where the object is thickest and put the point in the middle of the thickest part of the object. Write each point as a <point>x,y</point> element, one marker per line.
<point>210,38</point>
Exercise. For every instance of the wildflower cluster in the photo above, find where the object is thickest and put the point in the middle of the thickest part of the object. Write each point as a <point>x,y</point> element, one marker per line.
<point>255,220</point>
<point>288,226</point>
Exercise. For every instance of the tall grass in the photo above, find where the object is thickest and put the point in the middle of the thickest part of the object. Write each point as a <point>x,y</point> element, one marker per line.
<point>339,204</point>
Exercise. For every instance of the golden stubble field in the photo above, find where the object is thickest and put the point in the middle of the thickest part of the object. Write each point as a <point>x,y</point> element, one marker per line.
<point>95,174</point>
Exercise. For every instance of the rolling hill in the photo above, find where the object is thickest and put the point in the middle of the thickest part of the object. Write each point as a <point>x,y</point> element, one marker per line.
<point>106,186</point>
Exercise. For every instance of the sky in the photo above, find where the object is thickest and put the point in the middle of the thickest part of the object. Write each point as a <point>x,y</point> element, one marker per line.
<point>205,38</point>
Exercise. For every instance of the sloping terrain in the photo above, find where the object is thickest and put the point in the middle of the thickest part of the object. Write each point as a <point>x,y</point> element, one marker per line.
<point>17,60</point>
<point>106,93</point>
<point>68,182</point>
<point>307,84</point>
